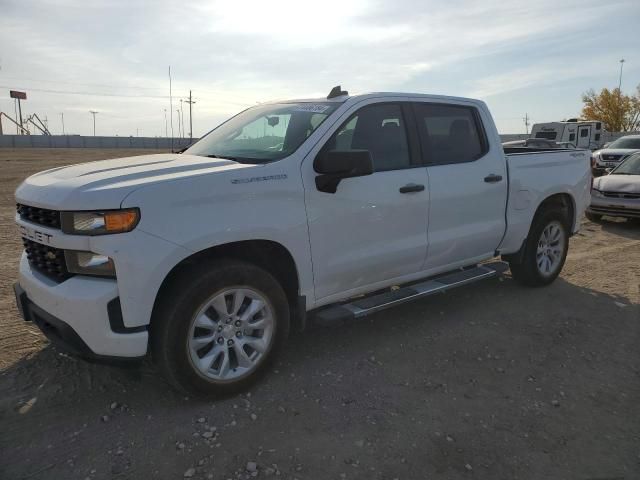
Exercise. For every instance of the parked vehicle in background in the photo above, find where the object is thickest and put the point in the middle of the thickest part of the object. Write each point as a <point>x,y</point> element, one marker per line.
<point>614,153</point>
<point>618,193</point>
<point>577,133</point>
<point>208,258</point>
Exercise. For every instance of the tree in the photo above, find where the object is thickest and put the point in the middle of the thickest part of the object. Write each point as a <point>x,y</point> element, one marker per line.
<point>618,112</point>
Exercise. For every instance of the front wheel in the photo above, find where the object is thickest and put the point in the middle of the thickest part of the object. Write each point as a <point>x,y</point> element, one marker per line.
<point>545,250</point>
<point>218,327</point>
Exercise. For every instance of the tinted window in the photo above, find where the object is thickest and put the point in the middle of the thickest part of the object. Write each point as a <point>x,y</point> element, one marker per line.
<point>449,134</point>
<point>379,129</point>
<point>597,138</point>
<point>584,133</point>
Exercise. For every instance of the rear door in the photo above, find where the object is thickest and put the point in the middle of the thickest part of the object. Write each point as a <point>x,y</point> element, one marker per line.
<point>467,184</point>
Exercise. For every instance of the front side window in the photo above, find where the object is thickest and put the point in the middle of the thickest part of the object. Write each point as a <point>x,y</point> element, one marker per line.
<point>264,133</point>
<point>380,129</point>
<point>449,133</point>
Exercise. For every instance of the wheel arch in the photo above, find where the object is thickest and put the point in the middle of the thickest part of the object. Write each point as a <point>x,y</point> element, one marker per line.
<point>269,255</point>
<point>563,201</point>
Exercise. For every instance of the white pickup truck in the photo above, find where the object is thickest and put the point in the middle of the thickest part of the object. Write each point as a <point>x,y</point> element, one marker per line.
<point>339,207</point>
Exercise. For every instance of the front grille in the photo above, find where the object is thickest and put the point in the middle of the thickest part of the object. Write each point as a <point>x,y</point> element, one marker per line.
<point>47,260</point>
<point>610,157</point>
<point>635,196</point>
<point>41,216</point>
<point>615,211</point>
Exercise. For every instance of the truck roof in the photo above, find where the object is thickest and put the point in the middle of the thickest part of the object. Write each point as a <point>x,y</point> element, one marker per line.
<point>364,96</point>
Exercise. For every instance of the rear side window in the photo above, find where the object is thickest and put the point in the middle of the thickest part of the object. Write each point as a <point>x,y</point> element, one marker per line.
<point>381,130</point>
<point>572,137</point>
<point>450,133</point>
<point>584,133</point>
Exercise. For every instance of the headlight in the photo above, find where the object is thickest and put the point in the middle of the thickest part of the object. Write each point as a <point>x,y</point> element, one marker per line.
<point>596,193</point>
<point>89,263</point>
<point>99,223</point>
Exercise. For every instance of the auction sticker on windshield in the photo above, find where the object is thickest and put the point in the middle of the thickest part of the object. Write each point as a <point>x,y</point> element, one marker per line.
<point>312,108</point>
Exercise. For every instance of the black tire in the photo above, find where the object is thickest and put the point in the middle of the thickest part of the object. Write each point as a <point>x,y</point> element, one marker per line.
<point>526,272</point>
<point>184,297</point>
<point>593,217</point>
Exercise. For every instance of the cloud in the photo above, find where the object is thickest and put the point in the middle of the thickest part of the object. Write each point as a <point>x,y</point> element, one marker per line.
<point>234,54</point>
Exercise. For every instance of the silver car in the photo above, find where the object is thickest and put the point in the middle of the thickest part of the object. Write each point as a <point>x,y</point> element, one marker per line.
<point>618,193</point>
<point>615,152</point>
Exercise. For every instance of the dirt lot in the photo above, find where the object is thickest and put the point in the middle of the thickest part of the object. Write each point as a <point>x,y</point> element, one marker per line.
<point>492,381</point>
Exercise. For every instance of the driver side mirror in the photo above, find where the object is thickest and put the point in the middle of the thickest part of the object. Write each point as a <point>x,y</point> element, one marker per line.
<point>334,165</point>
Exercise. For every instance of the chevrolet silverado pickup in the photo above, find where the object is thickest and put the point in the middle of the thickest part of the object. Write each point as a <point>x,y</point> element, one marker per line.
<point>330,208</point>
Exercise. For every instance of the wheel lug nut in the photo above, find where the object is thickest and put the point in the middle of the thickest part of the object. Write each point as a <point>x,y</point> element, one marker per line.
<point>238,334</point>
<point>229,342</point>
<point>220,328</point>
<point>238,323</point>
<point>220,340</point>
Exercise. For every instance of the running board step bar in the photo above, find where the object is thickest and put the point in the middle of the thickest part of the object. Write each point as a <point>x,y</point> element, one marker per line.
<point>367,305</point>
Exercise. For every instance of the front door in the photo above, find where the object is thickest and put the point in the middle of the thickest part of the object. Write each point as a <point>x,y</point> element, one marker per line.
<point>467,183</point>
<point>374,228</point>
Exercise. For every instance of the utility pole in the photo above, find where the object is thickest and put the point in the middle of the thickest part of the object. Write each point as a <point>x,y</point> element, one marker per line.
<point>526,122</point>
<point>190,102</point>
<point>62,116</point>
<point>179,127</point>
<point>93,112</point>
<point>182,118</point>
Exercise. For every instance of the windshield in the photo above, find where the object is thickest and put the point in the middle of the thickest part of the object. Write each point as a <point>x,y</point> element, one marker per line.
<point>631,166</point>
<point>264,133</point>
<point>626,142</point>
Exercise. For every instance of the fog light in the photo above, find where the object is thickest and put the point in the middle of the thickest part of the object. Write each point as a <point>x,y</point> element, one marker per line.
<point>89,263</point>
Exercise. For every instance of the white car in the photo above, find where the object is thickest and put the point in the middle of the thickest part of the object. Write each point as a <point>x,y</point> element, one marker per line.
<point>614,153</point>
<point>618,193</point>
<point>207,259</point>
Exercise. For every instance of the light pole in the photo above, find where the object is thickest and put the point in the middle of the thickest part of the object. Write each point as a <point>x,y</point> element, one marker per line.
<point>620,79</point>
<point>182,118</point>
<point>191,102</point>
<point>62,116</point>
<point>179,127</point>
<point>166,131</point>
<point>94,112</point>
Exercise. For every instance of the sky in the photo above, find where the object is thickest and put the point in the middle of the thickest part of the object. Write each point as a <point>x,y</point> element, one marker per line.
<point>532,58</point>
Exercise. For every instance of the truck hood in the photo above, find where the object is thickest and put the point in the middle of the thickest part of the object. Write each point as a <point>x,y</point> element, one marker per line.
<point>105,183</point>
<point>618,183</point>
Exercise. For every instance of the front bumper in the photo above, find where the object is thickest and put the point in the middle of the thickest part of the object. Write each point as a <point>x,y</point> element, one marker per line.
<point>74,314</point>
<point>614,207</point>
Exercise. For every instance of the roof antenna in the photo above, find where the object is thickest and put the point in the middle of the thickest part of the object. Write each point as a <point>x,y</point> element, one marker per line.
<point>336,92</point>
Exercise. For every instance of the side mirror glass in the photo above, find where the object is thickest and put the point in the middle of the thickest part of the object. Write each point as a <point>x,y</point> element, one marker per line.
<point>334,165</point>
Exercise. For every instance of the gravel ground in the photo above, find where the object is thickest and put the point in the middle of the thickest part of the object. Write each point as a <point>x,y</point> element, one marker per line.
<point>490,381</point>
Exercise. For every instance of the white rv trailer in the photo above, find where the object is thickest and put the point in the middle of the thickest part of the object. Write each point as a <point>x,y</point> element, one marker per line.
<point>578,133</point>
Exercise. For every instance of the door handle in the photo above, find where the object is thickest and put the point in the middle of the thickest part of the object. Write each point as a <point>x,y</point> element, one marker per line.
<point>411,187</point>
<point>493,178</point>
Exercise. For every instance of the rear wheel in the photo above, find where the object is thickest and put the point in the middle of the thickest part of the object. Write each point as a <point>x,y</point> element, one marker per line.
<point>593,217</point>
<point>545,250</point>
<point>219,327</point>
